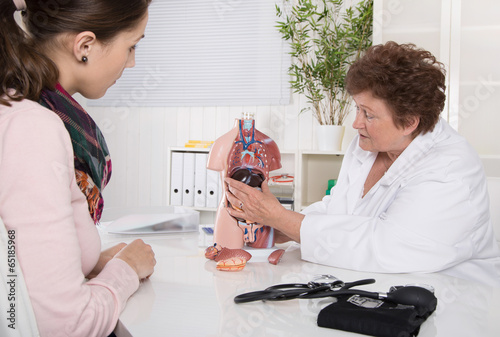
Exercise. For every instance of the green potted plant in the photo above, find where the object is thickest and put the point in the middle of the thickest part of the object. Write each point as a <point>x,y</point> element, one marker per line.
<point>325,38</point>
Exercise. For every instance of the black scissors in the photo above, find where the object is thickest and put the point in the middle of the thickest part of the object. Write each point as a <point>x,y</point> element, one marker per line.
<point>320,286</point>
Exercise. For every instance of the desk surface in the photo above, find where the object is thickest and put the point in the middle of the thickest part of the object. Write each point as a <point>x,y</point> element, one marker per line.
<point>187,296</point>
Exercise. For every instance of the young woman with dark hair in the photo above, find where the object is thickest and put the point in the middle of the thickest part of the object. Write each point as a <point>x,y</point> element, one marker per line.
<point>54,161</point>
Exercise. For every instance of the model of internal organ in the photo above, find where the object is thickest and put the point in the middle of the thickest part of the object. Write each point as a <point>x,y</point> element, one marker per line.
<point>228,259</point>
<point>218,253</point>
<point>247,155</point>
<point>235,259</point>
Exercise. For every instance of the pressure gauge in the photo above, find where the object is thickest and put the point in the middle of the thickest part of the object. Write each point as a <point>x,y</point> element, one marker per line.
<point>324,280</point>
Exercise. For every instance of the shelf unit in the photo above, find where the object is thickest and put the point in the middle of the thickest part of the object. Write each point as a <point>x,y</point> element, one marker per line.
<point>311,171</point>
<point>316,168</point>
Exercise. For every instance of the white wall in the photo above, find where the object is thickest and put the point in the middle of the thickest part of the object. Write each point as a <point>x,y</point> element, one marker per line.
<point>464,35</point>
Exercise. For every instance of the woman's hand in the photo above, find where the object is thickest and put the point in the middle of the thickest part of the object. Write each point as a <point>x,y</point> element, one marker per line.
<point>105,256</point>
<point>262,207</point>
<point>252,204</point>
<point>139,256</point>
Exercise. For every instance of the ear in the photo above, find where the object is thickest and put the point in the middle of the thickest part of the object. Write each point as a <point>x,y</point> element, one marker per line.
<point>82,44</point>
<point>412,125</point>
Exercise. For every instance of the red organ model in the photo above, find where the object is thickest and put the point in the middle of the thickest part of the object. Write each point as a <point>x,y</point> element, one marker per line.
<point>247,155</point>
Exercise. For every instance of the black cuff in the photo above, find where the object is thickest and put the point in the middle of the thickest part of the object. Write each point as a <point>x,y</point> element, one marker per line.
<point>372,317</point>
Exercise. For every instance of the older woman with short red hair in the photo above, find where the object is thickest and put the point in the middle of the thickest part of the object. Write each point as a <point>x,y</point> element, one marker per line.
<point>411,195</point>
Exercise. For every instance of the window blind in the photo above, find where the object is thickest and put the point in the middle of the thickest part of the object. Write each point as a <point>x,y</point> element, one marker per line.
<point>206,53</point>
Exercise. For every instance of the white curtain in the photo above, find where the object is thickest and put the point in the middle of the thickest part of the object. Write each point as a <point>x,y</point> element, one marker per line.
<point>207,53</point>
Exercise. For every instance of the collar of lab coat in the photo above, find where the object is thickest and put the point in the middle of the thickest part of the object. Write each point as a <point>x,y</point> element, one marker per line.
<point>417,149</point>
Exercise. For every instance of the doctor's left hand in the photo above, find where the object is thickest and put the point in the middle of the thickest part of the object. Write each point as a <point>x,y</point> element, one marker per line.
<point>253,205</point>
<point>262,207</point>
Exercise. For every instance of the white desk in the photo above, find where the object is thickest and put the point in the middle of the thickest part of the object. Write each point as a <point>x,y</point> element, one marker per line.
<point>187,296</point>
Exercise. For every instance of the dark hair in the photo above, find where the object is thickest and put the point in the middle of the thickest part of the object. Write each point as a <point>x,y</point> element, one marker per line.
<point>23,66</point>
<point>410,80</point>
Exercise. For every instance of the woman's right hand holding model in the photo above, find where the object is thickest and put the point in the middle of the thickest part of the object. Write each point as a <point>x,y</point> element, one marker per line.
<point>140,257</point>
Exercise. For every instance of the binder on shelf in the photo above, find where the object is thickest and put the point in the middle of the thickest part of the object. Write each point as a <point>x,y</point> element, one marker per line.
<point>212,189</point>
<point>200,180</point>
<point>176,174</point>
<point>188,179</point>
<point>286,202</point>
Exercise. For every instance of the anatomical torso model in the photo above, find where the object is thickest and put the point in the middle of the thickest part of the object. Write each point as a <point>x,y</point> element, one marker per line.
<point>247,155</point>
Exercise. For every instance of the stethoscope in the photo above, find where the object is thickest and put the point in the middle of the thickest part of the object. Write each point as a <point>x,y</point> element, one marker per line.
<point>330,286</point>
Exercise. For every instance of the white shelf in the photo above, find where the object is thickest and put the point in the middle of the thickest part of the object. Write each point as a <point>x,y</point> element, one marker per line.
<point>316,168</point>
<point>189,149</point>
<point>311,170</point>
<point>203,209</point>
<point>328,153</point>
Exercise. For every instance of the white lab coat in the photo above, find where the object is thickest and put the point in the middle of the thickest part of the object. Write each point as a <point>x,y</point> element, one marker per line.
<point>428,213</point>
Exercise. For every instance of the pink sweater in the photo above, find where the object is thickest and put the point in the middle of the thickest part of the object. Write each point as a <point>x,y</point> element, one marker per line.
<point>57,243</point>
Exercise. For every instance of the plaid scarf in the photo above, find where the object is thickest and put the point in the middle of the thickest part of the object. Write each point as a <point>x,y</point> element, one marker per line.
<point>91,155</point>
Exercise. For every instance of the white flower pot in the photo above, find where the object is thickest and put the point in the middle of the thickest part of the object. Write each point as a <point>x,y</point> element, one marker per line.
<point>329,137</point>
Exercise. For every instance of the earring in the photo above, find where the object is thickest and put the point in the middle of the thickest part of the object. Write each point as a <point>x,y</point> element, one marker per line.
<point>84,59</point>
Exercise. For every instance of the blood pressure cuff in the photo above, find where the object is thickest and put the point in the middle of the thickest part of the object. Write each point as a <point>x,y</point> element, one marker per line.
<point>362,315</point>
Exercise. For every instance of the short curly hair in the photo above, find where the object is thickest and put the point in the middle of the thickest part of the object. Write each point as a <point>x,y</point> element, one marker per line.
<point>409,79</point>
